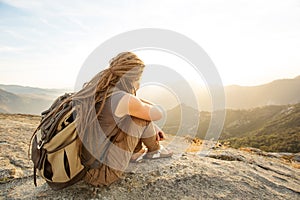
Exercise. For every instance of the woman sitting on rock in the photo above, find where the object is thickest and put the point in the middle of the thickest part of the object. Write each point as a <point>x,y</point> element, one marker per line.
<point>114,123</point>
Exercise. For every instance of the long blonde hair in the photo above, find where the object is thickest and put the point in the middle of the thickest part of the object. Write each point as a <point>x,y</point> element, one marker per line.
<point>123,71</point>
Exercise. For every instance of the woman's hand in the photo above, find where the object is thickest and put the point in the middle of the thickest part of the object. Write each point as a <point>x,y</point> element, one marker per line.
<point>160,135</point>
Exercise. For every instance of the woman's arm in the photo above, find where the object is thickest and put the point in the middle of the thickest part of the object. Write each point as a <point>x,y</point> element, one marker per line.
<point>134,106</point>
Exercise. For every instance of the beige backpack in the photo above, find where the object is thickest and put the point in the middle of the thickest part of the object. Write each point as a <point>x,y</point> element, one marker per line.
<point>56,147</point>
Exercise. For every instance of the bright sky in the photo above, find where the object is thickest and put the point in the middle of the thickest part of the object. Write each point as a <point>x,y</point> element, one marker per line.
<point>44,43</point>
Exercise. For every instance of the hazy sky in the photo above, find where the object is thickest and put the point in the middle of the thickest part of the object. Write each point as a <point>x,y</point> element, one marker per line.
<point>44,43</point>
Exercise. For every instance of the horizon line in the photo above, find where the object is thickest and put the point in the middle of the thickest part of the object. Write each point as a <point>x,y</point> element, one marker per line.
<point>70,88</point>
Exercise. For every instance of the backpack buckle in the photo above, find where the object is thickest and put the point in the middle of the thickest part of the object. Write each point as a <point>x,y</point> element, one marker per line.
<point>39,146</point>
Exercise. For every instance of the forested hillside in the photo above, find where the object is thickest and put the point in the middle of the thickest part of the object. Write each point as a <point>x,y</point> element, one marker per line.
<point>270,128</point>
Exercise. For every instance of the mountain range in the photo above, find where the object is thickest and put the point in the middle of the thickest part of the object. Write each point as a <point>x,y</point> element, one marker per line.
<point>30,100</point>
<point>26,100</point>
<point>278,92</point>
